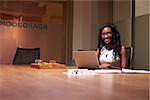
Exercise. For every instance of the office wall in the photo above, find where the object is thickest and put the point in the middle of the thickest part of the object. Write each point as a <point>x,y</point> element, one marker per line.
<point>142,31</point>
<point>102,12</point>
<point>122,17</point>
<point>51,40</point>
<point>87,17</point>
<point>81,24</point>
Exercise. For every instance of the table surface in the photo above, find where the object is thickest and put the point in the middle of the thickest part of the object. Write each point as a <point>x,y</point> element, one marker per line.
<point>26,83</point>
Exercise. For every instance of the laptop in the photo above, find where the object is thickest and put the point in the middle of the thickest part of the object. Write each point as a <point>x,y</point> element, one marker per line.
<point>86,59</point>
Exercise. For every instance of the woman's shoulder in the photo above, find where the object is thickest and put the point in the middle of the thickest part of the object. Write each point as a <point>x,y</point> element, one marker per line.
<point>123,47</point>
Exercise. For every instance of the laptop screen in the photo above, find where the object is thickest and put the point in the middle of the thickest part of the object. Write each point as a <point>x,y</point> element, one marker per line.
<point>86,59</point>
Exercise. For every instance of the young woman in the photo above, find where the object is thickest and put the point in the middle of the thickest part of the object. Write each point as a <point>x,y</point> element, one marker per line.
<point>110,52</point>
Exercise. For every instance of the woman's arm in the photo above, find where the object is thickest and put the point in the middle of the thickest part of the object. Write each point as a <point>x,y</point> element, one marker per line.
<point>123,57</point>
<point>97,52</point>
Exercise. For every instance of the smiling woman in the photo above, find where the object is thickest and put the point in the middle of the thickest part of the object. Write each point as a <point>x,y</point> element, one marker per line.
<point>110,52</point>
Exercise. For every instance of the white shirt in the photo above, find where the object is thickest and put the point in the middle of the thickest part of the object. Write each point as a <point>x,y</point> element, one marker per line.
<point>108,56</point>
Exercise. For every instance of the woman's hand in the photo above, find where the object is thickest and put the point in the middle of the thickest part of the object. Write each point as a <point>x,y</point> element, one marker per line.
<point>105,65</point>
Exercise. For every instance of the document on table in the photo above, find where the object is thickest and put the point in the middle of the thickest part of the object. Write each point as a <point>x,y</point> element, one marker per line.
<point>103,71</point>
<point>108,71</point>
<point>135,71</point>
<point>130,71</point>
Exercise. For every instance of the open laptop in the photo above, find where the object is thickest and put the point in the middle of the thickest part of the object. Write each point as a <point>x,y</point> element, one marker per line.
<point>86,59</point>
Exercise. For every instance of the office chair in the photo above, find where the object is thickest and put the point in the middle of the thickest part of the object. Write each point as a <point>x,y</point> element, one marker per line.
<point>129,53</point>
<point>86,49</point>
<point>26,55</point>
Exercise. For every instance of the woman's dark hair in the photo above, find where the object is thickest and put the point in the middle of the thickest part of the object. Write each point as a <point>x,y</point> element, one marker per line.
<point>116,39</point>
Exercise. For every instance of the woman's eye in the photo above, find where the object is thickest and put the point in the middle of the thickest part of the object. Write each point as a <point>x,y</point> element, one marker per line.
<point>107,33</point>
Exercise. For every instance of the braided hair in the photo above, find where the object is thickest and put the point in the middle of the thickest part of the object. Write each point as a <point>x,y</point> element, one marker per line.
<point>115,39</point>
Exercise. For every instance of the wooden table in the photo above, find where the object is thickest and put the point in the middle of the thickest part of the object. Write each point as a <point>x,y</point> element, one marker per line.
<point>26,83</point>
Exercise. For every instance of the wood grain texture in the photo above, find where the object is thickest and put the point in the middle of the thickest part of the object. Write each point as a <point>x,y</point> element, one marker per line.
<point>26,83</point>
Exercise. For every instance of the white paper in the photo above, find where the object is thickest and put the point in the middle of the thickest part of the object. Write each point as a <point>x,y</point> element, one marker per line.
<point>108,71</point>
<point>135,71</point>
<point>103,71</point>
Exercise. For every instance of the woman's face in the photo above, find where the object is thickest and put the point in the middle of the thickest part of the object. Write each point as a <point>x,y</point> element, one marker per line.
<point>107,35</point>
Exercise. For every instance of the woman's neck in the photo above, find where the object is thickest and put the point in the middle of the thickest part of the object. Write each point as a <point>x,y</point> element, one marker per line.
<point>109,46</point>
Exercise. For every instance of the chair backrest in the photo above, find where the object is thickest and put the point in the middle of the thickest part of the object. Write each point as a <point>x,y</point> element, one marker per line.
<point>26,55</point>
<point>129,52</point>
<point>86,49</point>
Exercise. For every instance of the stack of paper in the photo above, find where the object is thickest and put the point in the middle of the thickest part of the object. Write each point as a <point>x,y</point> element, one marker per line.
<point>103,71</point>
<point>122,71</point>
<point>135,71</point>
<point>108,71</point>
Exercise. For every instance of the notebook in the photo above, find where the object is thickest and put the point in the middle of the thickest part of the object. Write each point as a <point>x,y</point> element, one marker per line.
<point>86,59</point>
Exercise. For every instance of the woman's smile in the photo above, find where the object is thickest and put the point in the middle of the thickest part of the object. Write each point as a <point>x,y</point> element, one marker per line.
<point>107,40</point>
